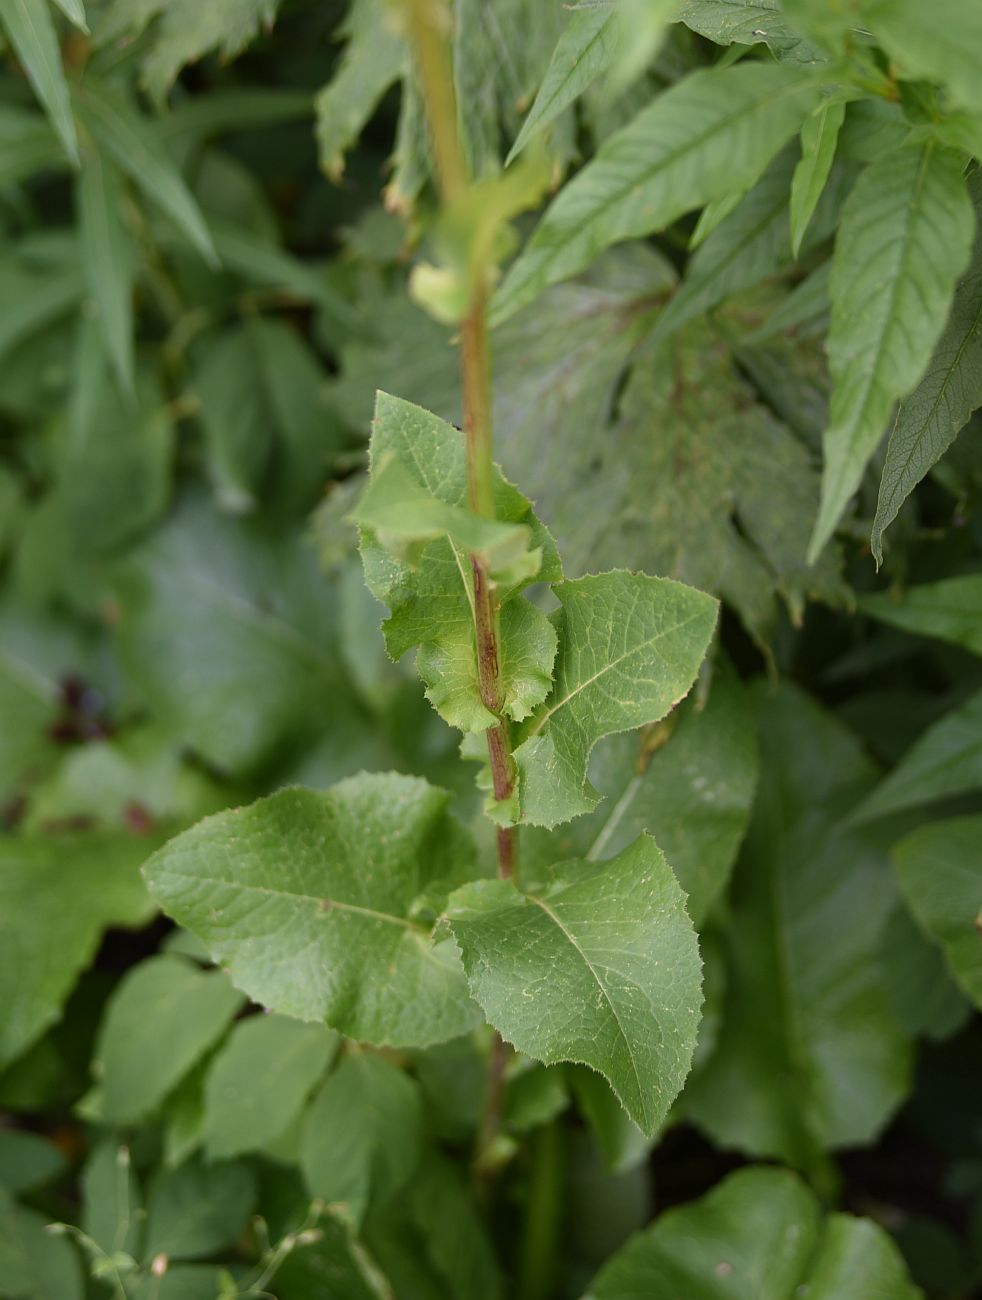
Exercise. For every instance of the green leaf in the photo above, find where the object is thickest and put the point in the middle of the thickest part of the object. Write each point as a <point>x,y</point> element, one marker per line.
<point>923,996</point>
<point>227,384</point>
<point>361,1140</point>
<point>945,761</point>
<point>374,58</point>
<point>74,11</point>
<point>940,872</point>
<point>259,1081</point>
<point>29,26</point>
<point>930,419</point>
<point>819,135</point>
<point>442,1205</point>
<point>111,1206</point>
<point>32,301</point>
<point>107,256</point>
<point>608,682</point>
<point>750,22</point>
<point>950,609</point>
<point>28,1161</point>
<point>133,143</point>
<point>198,1209</point>
<point>160,1020</point>
<point>600,967</point>
<point>759,1232</point>
<point>34,1265</point>
<point>586,49</point>
<point>57,895</point>
<point>27,145</point>
<point>332,940</point>
<point>689,781</point>
<point>905,238</point>
<point>803,984</point>
<point>943,44</point>
<point>184,30</point>
<point>431,602</point>
<point>710,133</point>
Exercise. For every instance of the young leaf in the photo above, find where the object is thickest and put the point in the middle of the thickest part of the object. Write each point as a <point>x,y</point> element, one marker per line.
<point>946,760</point>
<point>198,1209</point>
<point>126,136</point>
<point>940,872</point>
<point>431,602</point>
<point>107,257</point>
<point>586,49</point>
<point>930,419</point>
<point>601,967</point>
<point>905,238</point>
<point>259,1080</point>
<point>950,609</point>
<point>159,1021</point>
<point>57,895</point>
<point>29,26</point>
<point>347,949</point>
<point>362,1133</point>
<point>766,1226</point>
<point>819,134</point>
<point>710,133</point>
<point>941,43</point>
<point>630,647</point>
<point>803,983</point>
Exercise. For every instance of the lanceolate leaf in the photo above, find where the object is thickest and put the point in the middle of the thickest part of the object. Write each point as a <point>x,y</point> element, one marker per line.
<point>711,133</point>
<point>600,967</point>
<point>586,49</point>
<point>630,647</point>
<point>819,133</point>
<point>929,420</point>
<point>74,12</point>
<point>766,1227</point>
<point>942,42</point>
<point>750,22</point>
<point>905,238</point>
<point>306,898</point>
<point>31,30</point>
<point>107,257</point>
<point>950,609</point>
<point>940,871</point>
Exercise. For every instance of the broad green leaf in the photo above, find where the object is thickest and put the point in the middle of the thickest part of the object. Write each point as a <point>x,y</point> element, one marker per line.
<point>923,995</point>
<point>444,1210</point>
<point>946,760</point>
<point>930,419</point>
<point>198,1209</point>
<point>107,256</point>
<point>162,1017</point>
<point>939,868</point>
<point>819,134</point>
<point>182,1282</point>
<point>905,238</point>
<point>259,1081</point>
<point>336,1267</point>
<point>111,1205</point>
<point>601,967</point>
<point>122,132</point>
<point>34,1265</point>
<point>227,384</point>
<point>630,647</point>
<point>586,49</point>
<point>809,1056</point>
<point>31,32</point>
<point>950,609</point>
<point>759,1233</point>
<point>183,31</point>
<point>57,895</point>
<point>28,1161</point>
<point>943,43</point>
<point>332,940</point>
<point>374,58</point>
<point>689,781</point>
<point>431,602</point>
<point>750,22</point>
<point>712,132</point>
<point>361,1139</point>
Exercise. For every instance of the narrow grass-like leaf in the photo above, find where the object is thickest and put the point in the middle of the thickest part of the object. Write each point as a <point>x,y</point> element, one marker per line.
<point>905,238</point>
<point>630,647</point>
<point>307,900</point>
<point>139,151</point>
<point>931,418</point>
<point>29,26</point>
<point>74,11</point>
<point>107,257</point>
<point>819,133</point>
<point>713,132</point>
<point>601,967</point>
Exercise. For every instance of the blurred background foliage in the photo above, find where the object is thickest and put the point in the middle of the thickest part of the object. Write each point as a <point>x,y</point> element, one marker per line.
<point>208,214</point>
